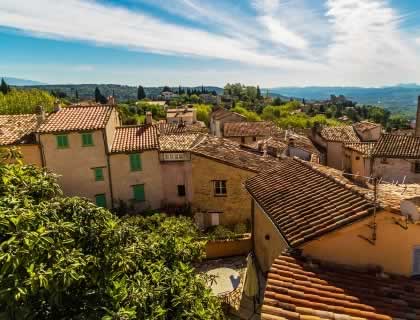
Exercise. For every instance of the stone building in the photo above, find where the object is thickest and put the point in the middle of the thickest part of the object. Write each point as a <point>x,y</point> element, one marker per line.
<point>248,132</point>
<point>219,117</point>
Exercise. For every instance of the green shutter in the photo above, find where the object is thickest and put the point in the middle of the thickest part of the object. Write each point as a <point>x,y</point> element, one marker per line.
<point>100,200</point>
<point>138,192</point>
<point>135,162</point>
<point>87,140</point>
<point>62,141</point>
<point>99,174</point>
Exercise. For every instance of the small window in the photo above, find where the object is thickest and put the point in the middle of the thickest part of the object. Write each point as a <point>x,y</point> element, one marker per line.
<point>416,261</point>
<point>135,162</point>
<point>100,200</point>
<point>99,174</point>
<point>87,140</point>
<point>138,192</point>
<point>62,141</point>
<point>214,218</point>
<point>181,190</point>
<point>417,167</point>
<point>220,188</point>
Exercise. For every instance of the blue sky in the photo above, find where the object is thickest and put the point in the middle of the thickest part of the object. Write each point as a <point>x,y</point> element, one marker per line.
<point>191,42</point>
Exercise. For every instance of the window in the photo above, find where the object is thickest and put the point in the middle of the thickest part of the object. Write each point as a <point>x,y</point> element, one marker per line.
<point>62,141</point>
<point>417,167</point>
<point>214,218</point>
<point>135,162</point>
<point>357,158</point>
<point>220,188</point>
<point>416,261</point>
<point>87,140</point>
<point>99,174</point>
<point>254,138</point>
<point>181,190</point>
<point>100,200</point>
<point>242,139</point>
<point>138,192</point>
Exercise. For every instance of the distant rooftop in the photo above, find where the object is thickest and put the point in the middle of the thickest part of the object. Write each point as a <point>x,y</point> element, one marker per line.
<point>364,148</point>
<point>14,128</point>
<point>340,134</point>
<point>397,146</point>
<point>247,129</point>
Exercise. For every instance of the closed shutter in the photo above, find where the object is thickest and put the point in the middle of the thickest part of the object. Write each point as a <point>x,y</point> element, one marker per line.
<point>416,261</point>
<point>135,162</point>
<point>138,192</point>
<point>99,174</point>
<point>62,141</point>
<point>87,139</point>
<point>100,200</point>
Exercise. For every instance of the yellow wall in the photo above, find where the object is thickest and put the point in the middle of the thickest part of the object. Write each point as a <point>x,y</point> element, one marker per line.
<point>123,179</point>
<point>269,249</point>
<point>393,249</point>
<point>236,206</point>
<point>74,164</point>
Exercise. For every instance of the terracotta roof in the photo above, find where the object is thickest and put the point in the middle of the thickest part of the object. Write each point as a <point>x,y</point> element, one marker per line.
<point>179,142</point>
<point>300,288</point>
<point>364,148</point>
<point>340,134</point>
<point>231,153</point>
<point>397,146</point>
<point>247,129</point>
<point>76,118</point>
<point>304,143</point>
<point>14,128</point>
<point>363,126</point>
<point>222,113</point>
<point>305,203</point>
<point>135,138</point>
<point>168,128</point>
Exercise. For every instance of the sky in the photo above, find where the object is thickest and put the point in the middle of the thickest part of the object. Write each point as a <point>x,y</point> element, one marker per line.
<point>192,42</point>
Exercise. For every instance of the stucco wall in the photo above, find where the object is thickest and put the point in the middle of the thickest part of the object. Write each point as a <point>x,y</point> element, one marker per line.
<point>371,135</point>
<point>395,169</point>
<point>113,122</point>
<point>268,243</point>
<point>301,154</point>
<point>359,165</point>
<point>393,249</point>
<point>74,164</point>
<point>123,179</point>
<point>176,173</point>
<point>235,206</point>
<point>31,154</point>
<point>335,155</point>
<point>247,140</point>
<point>228,248</point>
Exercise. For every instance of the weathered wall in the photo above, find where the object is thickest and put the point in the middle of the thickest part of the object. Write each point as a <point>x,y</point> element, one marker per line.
<point>75,164</point>
<point>371,135</point>
<point>395,169</point>
<point>335,155</point>
<point>246,140</point>
<point>268,242</point>
<point>113,122</point>
<point>228,248</point>
<point>359,165</point>
<point>31,154</point>
<point>235,206</point>
<point>393,249</point>
<point>123,179</point>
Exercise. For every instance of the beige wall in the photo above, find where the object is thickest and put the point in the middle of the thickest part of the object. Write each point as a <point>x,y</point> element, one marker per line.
<point>176,173</point>
<point>31,153</point>
<point>393,249</point>
<point>236,206</point>
<point>113,122</point>
<point>335,155</point>
<point>247,140</point>
<point>370,135</point>
<point>355,163</point>
<point>74,164</point>
<point>228,248</point>
<point>395,169</point>
<point>123,179</point>
<point>268,242</point>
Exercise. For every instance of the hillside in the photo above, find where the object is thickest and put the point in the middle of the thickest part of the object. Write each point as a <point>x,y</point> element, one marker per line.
<point>400,98</point>
<point>21,82</point>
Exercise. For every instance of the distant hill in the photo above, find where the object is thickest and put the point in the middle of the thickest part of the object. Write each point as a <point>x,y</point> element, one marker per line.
<point>400,98</point>
<point>21,82</point>
<point>122,92</point>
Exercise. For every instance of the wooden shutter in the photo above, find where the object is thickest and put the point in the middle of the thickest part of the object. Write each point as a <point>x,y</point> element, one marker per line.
<point>416,261</point>
<point>99,174</point>
<point>100,200</point>
<point>62,141</point>
<point>135,162</point>
<point>138,192</point>
<point>87,139</point>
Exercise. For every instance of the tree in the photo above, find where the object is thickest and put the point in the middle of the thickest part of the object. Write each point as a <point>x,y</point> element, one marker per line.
<point>99,97</point>
<point>76,95</point>
<point>140,93</point>
<point>4,87</point>
<point>259,93</point>
<point>20,101</point>
<point>67,258</point>
<point>166,89</point>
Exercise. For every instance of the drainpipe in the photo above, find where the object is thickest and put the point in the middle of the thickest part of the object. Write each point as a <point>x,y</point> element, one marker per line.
<point>109,166</point>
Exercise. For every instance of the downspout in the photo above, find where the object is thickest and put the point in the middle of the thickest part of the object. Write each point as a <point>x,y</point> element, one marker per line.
<point>109,166</point>
<point>41,148</point>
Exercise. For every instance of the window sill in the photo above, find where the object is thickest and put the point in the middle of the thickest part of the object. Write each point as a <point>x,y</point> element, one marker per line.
<point>220,195</point>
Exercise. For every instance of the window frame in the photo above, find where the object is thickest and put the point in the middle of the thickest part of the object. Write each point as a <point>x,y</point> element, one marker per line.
<point>181,190</point>
<point>60,138</point>
<point>417,167</point>
<point>90,142</point>
<point>102,176</point>
<point>104,200</point>
<point>133,188</point>
<point>218,189</point>
<point>133,158</point>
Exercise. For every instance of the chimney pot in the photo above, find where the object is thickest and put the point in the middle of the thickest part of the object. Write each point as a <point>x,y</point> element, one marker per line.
<point>149,118</point>
<point>40,115</point>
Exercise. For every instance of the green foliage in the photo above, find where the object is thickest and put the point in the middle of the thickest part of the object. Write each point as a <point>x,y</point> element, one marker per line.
<point>140,93</point>
<point>242,92</point>
<point>65,258</point>
<point>250,115</point>
<point>25,101</point>
<point>221,232</point>
<point>203,113</point>
<point>4,87</point>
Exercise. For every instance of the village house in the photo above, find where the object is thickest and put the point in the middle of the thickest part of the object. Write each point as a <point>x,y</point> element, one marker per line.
<point>358,159</point>
<point>248,132</point>
<point>314,209</point>
<point>18,131</point>
<point>184,115</point>
<point>221,116</point>
<point>167,95</point>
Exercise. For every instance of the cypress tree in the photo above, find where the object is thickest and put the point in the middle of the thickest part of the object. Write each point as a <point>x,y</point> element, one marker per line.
<point>140,93</point>
<point>258,93</point>
<point>4,88</point>
<point>97,95</point>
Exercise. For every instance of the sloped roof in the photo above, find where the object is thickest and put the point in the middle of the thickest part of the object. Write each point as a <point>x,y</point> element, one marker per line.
<point>299,288</point>
<point>14,128</point>
<point>304,143</point>
<point>247,129</point>
<point>135,138</point>
<point>364,148</point>
<point>397,146</point>
<point>169,128</point>
<point>75,118</point>
<point>179,142</point>
<point>222,113</point>
<point>365,125</point>
<point>340,134</point>
<point>231,153</point>
<point>305,203</point>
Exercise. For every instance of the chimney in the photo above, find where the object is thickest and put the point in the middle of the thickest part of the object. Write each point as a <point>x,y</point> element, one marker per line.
<point>57,105</point>
<point>417,133</point>
<point>149,118</point>
<point>40,115</point>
